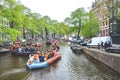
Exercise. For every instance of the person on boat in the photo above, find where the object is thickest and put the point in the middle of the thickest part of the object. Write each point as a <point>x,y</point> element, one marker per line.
<point>16,50</point>
<point>54,51</point>
<point>31,49</point>
<point>46,56</point>
<point>49,54</point>
<point>26,49</point>
<point>42,56</point>
<point>20,49</point>
<point>36,58</point>
<point>36,49</point>
<point>38,45</point>
<point>31,59</point>
<point>56,44</point>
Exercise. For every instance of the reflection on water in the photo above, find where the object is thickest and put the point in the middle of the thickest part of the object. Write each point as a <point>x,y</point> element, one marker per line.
<point>72,66</point>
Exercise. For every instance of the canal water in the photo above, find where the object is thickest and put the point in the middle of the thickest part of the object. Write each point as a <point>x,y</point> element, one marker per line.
<point>72,66</point>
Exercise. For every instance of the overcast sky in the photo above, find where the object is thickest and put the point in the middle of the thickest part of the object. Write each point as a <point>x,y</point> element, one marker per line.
<point>56,9</point>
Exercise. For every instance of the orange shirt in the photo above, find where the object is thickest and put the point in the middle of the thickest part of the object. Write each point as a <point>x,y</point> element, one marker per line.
<point>46,56</point>
<point>35,56</point>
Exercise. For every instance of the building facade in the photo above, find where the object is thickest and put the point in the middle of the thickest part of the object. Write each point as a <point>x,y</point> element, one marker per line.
<point>109,24</point>
<point>115,21</point>
<point>101,12</point>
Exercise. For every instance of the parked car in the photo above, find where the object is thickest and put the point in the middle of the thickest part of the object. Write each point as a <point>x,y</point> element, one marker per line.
<point>83,43</point>
<point>73,40</point>
<point>79,41</point>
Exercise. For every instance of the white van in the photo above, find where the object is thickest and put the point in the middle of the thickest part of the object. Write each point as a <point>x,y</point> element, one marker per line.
<point>95,40</point>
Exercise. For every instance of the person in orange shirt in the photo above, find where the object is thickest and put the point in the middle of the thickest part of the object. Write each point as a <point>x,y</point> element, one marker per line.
<point>36,57</point>
<point>46,56</point>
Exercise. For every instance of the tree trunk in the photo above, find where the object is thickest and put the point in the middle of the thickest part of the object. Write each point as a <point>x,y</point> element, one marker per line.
<point>54,35</point>
<point>32,35</point>
<point>46,33</point>
<point>24,37</point>
<point>79,30</point>
<point>11,24</point>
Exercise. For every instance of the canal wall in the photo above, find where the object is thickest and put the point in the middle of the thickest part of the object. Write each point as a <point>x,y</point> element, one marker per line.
<point>110,59</point>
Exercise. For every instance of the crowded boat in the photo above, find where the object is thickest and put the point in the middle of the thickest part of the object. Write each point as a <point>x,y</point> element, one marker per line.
<point>43,59</point>
<point>30,48</point>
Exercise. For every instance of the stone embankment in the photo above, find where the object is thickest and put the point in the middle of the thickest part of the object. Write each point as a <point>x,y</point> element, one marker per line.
<point>110,59</point>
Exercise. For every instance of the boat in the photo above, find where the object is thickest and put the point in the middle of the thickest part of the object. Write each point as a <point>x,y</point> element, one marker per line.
<point>3,50</point>
<point>36,65</point>
<point>23,53</point>
<point>75,48</point>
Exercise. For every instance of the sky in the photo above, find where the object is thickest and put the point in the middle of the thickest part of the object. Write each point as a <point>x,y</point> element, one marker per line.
<point>56,9</point>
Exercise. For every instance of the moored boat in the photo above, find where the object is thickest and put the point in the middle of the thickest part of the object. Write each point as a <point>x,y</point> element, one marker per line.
<point>3,50</point>
<point>76,48</point>
<point>44,64</point>
<point>23,53</point>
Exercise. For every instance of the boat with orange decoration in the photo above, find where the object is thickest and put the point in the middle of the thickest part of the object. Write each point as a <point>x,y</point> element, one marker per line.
<point>36,65</point>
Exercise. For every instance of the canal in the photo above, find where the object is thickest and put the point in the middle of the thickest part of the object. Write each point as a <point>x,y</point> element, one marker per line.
<point>72,66</point>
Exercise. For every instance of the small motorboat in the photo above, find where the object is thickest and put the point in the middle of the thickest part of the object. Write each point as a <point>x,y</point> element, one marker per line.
<point>76,48</point>
<point>3,50</point>
<point>36,65</point>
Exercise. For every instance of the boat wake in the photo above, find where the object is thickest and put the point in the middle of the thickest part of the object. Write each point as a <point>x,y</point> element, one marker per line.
<point>12,71</point>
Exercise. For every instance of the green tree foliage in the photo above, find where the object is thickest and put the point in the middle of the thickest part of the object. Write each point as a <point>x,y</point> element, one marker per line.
<point>11,11</point>
<point>22,21</point>
<point>90,27</point>
<point>77,18</point>
<point>47,26</point>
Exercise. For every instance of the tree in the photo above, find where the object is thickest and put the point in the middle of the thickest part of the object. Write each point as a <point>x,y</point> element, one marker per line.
<point>11,11</point>
<point>47,19</point>
<point>90,27</point>
<point>63,28</point>
<point>77,18</point>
